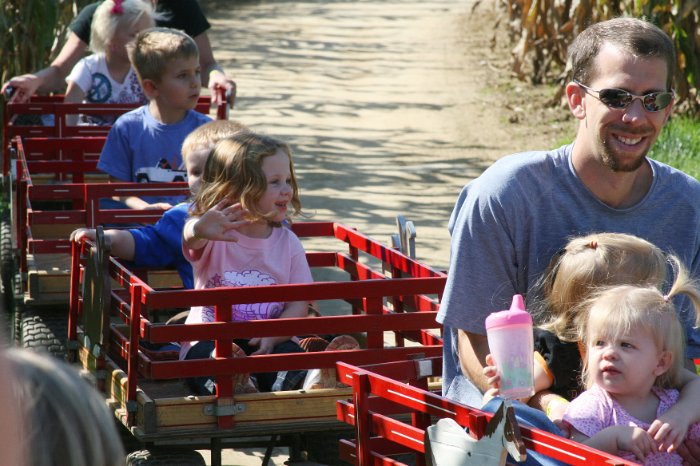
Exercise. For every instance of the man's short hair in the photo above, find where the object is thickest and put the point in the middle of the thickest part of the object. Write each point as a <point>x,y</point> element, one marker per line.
<point>153,49</point>
<point>636,36</point>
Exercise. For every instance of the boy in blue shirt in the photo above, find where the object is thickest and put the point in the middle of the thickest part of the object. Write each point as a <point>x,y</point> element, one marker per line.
<point>160,245</point>
<point>145,144</point>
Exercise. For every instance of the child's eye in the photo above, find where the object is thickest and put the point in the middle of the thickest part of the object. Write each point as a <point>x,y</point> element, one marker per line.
<point>599,343</point>
<point>626,344</point>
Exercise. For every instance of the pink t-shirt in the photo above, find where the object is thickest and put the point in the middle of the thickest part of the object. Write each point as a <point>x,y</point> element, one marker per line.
<point>595,409</point>
<point>277,259</point>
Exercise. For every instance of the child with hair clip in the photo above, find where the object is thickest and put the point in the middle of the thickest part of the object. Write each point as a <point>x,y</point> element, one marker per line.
<point>235,238</point>
<point>633,369</point>
<point>583,266</point>
<point>107,76</point>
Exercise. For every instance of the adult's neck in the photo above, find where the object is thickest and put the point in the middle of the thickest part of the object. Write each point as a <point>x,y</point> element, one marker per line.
<point>164,113</point>
<point>615,188</point>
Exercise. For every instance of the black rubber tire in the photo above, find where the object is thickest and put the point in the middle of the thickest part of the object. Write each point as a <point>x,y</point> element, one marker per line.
<point>165,457</point>
<point>45,330</point>
<point>323,447</point>
<point>7,260</point>
<point>15,309</point>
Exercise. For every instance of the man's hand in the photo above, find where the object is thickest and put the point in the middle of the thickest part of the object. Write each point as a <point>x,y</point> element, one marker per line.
<point>21,88</point>
<point>633,439</point>
<point>690,452</point>
<point>219,81</point>
<point>669,431</point>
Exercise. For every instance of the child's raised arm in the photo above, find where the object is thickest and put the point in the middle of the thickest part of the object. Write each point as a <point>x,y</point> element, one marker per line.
<point>216,224</point>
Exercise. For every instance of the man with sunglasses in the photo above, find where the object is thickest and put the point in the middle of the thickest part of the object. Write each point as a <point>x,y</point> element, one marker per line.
<point>509,222</point>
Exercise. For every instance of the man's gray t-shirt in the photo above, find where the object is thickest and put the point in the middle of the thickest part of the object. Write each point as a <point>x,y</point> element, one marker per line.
<point>509,222</point>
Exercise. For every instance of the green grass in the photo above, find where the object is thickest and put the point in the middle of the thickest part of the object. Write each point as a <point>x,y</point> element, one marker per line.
<point>679,145</point>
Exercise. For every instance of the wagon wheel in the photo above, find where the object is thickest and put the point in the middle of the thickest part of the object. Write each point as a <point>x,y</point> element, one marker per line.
<point>44,329</point>
<point>15,309</point>
<point>323,447</point>
<point>165,457</point>
<point>7,262</point>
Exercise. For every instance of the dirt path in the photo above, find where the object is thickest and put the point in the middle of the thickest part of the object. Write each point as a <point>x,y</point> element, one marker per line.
<point>389,106</point>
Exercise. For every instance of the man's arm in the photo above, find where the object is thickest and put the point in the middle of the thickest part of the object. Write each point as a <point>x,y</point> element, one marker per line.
<point>213,75</point>
<point>473,349</point>
<point>52,77</point>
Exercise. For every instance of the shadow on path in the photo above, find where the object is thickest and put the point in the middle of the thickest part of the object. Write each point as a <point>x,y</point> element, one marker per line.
<point>384,103</point>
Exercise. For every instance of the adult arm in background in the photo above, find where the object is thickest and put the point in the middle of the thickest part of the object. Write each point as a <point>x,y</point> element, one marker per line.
<point>213,75</point>
<point>187,16</point>
<point>50,78</point>
<point>485,272</point>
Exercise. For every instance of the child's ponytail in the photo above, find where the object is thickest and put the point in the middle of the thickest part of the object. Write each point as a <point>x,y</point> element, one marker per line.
<point>684,285</point>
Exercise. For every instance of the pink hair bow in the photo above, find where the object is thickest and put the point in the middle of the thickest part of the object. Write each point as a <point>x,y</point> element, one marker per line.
<point>117,9</point>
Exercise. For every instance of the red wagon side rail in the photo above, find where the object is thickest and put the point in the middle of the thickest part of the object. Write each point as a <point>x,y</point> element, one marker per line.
<point>391,408</point>
<point>44,214</point>
<point>54,107</point>
<point>402,301</point>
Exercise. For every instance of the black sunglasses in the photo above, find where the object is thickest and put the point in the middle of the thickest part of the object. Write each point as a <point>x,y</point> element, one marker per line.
<point>619,99</point>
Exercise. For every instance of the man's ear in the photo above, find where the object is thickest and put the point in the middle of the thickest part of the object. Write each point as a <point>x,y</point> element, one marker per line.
<point>150,88</point>
<point>664,363</point>
<point>574,97</point>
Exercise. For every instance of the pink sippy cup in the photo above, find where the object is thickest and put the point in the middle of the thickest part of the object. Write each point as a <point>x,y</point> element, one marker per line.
<point>509,335</point>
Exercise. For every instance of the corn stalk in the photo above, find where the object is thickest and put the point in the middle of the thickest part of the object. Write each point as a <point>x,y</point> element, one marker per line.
<point>32,32</point>
<point>542,29</point>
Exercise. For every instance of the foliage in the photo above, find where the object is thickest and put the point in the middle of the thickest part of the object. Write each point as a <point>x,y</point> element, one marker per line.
<point>33,32</point>
<point>679,145</point>
<point>542,29</point>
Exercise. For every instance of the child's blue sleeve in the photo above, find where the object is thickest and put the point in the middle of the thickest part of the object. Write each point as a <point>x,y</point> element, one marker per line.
<point>160,245</point>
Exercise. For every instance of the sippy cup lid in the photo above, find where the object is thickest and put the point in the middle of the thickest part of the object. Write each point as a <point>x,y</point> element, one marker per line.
<point>514,316</point>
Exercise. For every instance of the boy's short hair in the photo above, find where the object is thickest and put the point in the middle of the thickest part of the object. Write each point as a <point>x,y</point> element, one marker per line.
<point>206,136</point>
<point>154,48</point>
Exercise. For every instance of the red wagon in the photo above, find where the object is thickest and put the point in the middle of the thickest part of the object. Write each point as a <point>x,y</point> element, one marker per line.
<point>392,406</point>
<point>116,317</point>
<point>51,186</point>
